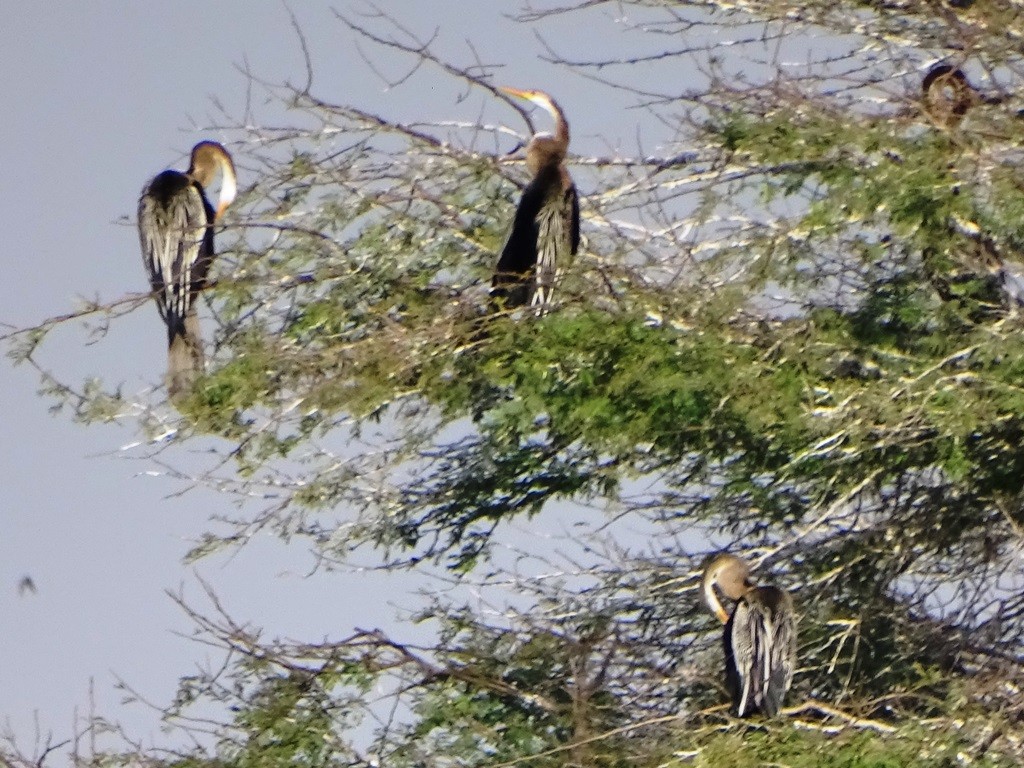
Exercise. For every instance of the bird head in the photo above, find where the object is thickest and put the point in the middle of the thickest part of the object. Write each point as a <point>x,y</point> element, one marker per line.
<point>208,157</point>
<point>539,98</point>
<point>544,147</point>
<point>732,576</point>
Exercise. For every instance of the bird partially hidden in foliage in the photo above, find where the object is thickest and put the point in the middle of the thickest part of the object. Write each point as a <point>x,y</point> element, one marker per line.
<point>545,233</point>
<point>947,95</point>
<point>759,638</point>
<point>176,235</point>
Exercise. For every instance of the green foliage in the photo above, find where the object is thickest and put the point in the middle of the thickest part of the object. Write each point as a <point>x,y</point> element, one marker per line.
<point>614,383</point>
<point>288,722</point>
<point>753,747</point>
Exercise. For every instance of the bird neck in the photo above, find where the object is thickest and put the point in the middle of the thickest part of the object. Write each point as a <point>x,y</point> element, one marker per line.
<point>561,126</point>
<point>562,131</point>
<point>713,602</point>
<point>228,188</point>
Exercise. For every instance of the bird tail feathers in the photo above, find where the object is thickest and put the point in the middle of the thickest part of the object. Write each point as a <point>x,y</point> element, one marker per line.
<point>184,356</point>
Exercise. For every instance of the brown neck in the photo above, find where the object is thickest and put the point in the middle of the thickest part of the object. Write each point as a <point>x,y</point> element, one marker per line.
<point>561,126</point>
<point>209,157</point>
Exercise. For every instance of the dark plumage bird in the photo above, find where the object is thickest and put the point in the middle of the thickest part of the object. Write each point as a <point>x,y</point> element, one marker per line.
<point>759,639</point>
<point>948,95</point>
<point>176,234</point>
<point>545,233</point>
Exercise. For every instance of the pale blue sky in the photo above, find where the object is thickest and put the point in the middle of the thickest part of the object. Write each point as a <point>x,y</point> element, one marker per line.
<point>98,97</point>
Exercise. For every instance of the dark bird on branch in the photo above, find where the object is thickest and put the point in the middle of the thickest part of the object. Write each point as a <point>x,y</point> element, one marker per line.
<point>176,234</point>
<point>545,233</point>
<point>948,95</point>
<point>759,639</point>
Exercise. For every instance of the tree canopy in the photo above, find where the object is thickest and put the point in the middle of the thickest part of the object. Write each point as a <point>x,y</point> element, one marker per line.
<point>793,331</point>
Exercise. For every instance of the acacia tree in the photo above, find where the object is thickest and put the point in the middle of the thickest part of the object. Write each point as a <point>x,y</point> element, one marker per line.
<point>792,331</point>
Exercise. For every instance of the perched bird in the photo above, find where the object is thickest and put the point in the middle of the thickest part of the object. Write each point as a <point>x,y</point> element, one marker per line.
<point>545,233</point>
<point>947,95</point>
<point>759,639</point>
<point>176,234</point>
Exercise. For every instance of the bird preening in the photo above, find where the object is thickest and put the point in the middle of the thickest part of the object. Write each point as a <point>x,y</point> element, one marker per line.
<point>545,233</point>
<point>947,95</point>
<point>759,638</point>
<point>176,235</point>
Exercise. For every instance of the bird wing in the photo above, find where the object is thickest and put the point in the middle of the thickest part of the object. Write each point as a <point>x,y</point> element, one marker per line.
<point>743,637</point>
<point>177,246</point>
<point>783,650</point>
<point>519,255</point>
<point>763,639</point>
<point>558,235</point>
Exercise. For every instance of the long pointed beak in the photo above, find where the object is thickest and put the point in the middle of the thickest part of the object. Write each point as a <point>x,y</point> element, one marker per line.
<point>515,92</point>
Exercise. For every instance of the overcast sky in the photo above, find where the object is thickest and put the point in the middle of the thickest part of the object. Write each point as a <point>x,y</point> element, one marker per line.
<point>97,97</point>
